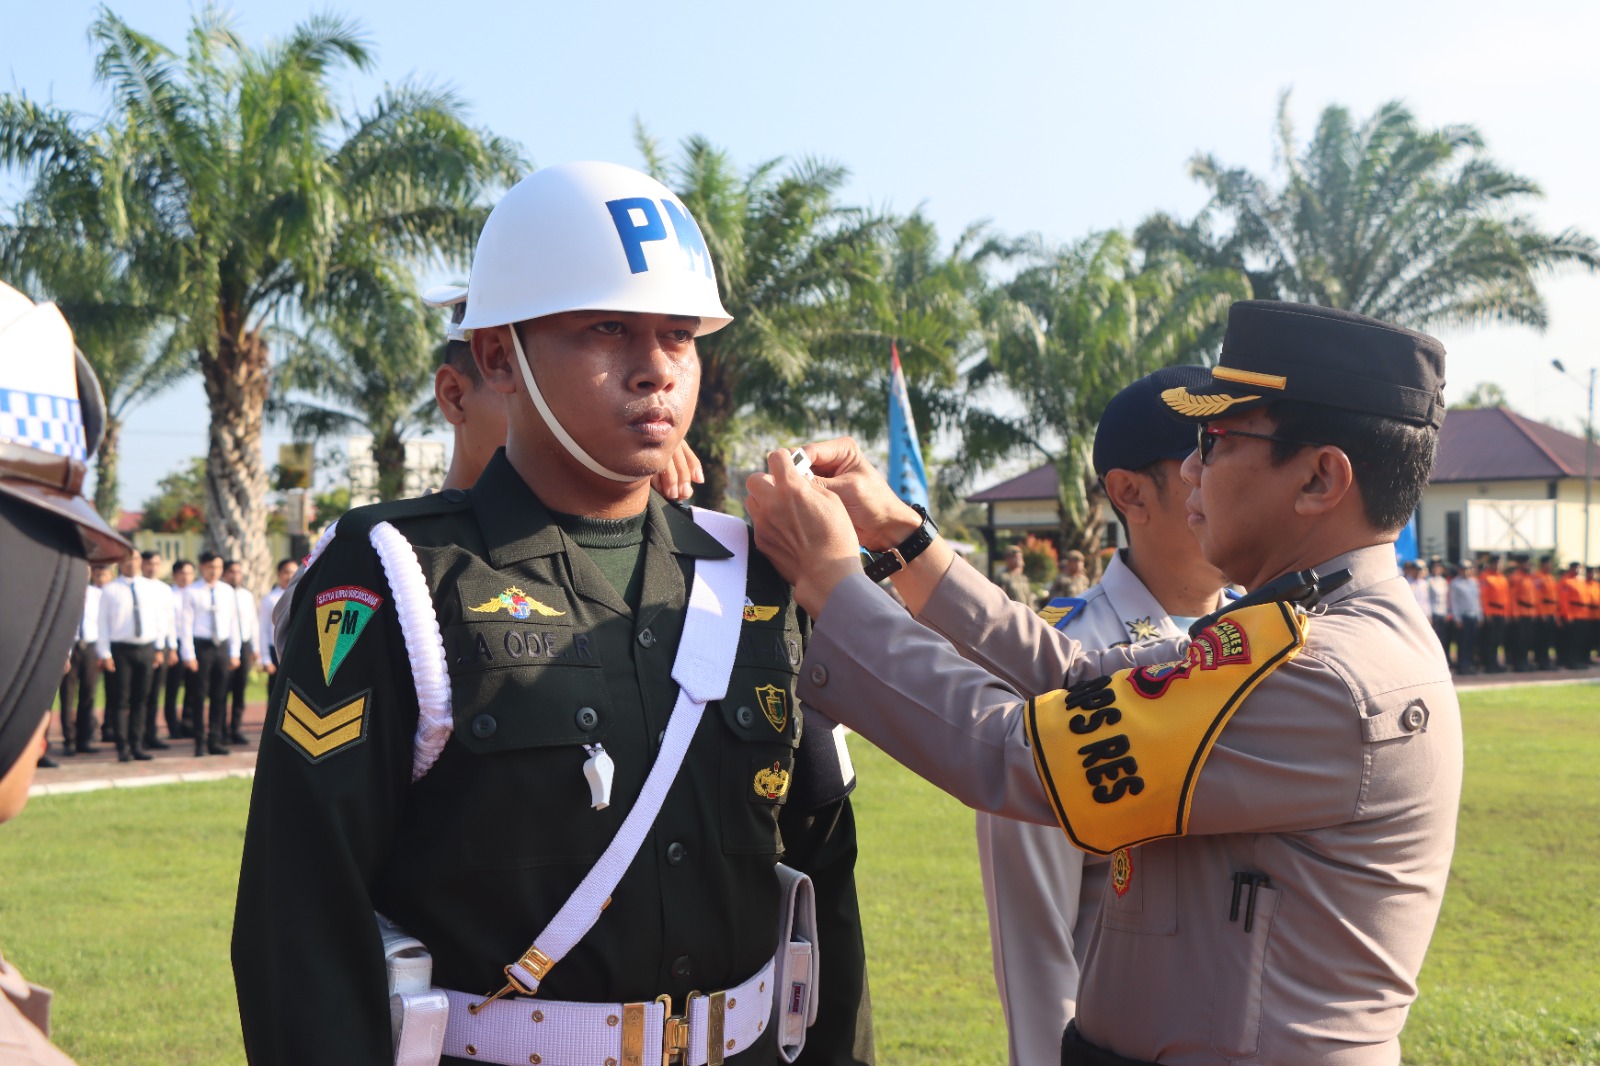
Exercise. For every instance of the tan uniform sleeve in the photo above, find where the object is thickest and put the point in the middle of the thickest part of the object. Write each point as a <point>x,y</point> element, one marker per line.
<point>951,721</point>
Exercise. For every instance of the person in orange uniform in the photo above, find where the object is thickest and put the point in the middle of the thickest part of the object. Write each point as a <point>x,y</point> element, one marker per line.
<point>1573,610</point>
<point>1495,592</point>
<point>1547,632</point>
<point>1592,598</point>
<point>1520,620</point>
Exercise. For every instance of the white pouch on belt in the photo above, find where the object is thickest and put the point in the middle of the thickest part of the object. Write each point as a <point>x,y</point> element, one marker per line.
<point>418,1012</point>
<point>794,991</point>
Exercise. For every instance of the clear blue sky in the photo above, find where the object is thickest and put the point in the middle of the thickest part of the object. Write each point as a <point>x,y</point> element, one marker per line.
<point>1057,118</point>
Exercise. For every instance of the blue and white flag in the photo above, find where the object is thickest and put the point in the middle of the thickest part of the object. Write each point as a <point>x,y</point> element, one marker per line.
<point>907,476</point>
<point>1405,546</point>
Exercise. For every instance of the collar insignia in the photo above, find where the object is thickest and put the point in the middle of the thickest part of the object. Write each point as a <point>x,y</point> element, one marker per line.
<point>517,604</point>
<point>1121,871</point>
<point>342,614</point>
<point>1191,406</point>
<point>753,613</point>
<point>772,782</point>
<point>774,703</point>
<point>1142,629</point>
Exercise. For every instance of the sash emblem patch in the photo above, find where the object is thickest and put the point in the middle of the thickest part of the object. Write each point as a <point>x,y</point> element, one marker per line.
<point>1223,644</point>
<point>772,782</point>
<point>342,614</point>
<point>774,704</point>
<point>517,604</point>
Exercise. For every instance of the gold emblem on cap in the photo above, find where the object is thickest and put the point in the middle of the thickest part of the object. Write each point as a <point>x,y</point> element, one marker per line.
<point>1250,377</point>
<point>1191,406</point>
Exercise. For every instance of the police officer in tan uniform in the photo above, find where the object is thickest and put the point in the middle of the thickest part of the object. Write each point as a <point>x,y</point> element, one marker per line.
<point>1279,795</point>
<point>1043,897</point>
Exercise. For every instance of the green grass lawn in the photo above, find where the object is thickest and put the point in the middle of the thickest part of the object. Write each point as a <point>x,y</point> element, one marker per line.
<point>122,902</point>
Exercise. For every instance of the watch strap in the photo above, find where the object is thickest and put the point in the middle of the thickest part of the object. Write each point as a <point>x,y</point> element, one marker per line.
<point>903,554</point>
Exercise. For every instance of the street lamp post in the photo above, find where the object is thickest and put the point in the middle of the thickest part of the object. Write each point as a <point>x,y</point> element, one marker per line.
<point>1588,458</point>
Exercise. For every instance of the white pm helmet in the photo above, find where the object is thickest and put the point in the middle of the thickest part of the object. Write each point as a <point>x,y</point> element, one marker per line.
<point>588,237</point>
<point>591,237</point>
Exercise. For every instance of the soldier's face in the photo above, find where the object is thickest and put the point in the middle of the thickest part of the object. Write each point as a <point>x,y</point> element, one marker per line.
<point>623,385</point>
<point>183,575</point>
<point>1240,506</point>
<point>151,566</point>
<point>209,572</point>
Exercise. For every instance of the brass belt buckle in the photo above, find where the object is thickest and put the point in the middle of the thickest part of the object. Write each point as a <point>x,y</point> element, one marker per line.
<point>535,961</point>
<point>675,1030</point>
<point>716,1027</point>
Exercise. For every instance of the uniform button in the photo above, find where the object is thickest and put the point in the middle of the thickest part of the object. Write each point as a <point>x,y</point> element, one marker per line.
<point>746,716</point>
<point>646,638</point>
<point>483,726</point>
<point>676,853</point>
<point>819,674</point>
<point>680,966</point>
<point>453,495</point>
<point>1414,718</point>
<point>587,719</point>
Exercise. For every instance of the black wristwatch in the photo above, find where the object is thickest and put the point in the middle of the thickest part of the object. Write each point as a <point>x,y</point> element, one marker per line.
<point>900,556</point>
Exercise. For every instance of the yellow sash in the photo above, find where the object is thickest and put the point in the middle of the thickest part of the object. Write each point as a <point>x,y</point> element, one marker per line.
<point>1120,756</point>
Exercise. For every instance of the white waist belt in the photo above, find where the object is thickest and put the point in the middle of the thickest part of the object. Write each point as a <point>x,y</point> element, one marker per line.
<point>517,1032</point>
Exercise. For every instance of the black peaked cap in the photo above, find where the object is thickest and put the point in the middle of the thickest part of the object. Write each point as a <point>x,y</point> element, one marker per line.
<point>1290,351</point>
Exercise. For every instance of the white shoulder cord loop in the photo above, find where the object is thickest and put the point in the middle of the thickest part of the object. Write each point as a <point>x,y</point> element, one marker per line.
<point>424,644</point>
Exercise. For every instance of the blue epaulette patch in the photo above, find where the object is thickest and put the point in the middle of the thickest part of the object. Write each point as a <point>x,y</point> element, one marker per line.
<point>1061,610</point>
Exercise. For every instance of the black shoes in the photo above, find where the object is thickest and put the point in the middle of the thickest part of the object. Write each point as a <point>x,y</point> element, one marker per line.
<point>142,756</point>
<point>216,748</point>
<point>238,738</point>
<point>85,749</point>
<point>156,744</point>
<point>47,763</point>
<point>124,756</point>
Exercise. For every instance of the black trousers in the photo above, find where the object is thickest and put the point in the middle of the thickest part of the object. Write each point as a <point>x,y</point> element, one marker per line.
<point>1466,643</point>
<point>77,697</point>
<point>237,680</point>
<point>1544,638</point>
<point>1076,1051</point>
<point>207,686</point>
<point>152,698</point>
<point>1490,637</point>
<point>129,692</point>
<point>177,681</point>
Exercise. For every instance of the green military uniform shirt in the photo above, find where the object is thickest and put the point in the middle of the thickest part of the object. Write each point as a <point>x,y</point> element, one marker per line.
<point>476,857</point>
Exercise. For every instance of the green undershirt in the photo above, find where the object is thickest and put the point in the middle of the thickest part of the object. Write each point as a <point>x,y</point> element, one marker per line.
<point>617,547</point>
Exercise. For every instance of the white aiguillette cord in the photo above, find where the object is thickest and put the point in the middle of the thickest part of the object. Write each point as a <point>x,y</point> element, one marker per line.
<point>701,668</point>
<point>549,417</point>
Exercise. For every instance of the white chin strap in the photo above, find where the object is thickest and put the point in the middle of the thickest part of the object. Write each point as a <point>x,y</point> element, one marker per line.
<point>549,416</point>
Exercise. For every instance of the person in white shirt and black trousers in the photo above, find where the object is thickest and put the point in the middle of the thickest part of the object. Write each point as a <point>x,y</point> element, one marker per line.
<point>133,623</point>
<point>248,624</point>
<point>83,671</point>
<point>208,641</point>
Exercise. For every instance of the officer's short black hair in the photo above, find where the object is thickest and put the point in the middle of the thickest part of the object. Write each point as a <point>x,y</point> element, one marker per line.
<point>1392,460</point>
<point>285,562</point>
<point>206,557</point>
<point>148,555</point>
<point>459,355</point>
<point>180,564</point>
<point>226,563</point>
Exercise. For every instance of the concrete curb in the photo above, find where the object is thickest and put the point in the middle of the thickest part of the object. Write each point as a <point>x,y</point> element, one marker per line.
<point>64,788</point>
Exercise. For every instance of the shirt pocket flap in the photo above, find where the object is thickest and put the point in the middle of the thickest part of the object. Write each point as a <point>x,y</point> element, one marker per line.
<point>532,707</point>
<point>1394,715</point>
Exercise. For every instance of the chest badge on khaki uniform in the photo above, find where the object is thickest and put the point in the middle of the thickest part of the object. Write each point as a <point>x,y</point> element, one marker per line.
<point>342,613</point>
<point>772,782</point>
<point>1121,871</point>
<point>517,604</point>
<point>1142,629</point>
<point>774,704</point>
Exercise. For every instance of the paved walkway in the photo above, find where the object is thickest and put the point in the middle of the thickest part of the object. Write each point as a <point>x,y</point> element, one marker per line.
<point>86,773</point>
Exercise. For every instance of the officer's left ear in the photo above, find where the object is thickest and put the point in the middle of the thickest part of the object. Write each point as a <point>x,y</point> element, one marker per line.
<point>497,362</point>
<point>1329,481</point>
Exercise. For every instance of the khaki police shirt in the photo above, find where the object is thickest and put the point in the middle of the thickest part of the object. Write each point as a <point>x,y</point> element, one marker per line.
<point>1338,778</point>
<point>476,857</point>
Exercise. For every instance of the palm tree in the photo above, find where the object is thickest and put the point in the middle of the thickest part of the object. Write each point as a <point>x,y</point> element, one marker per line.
<point>790,264</point>
<point>257,199</point>
<point>1066,335</point>
<point>373,369</point>
<point>1414,226</point>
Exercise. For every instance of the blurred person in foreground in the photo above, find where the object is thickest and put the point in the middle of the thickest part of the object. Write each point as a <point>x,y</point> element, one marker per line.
<point>1281,788</point>
<point>1043,895</point>
<point>52,415</point>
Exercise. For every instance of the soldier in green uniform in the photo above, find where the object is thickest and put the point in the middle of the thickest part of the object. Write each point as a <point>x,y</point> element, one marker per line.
<point>462,795</point>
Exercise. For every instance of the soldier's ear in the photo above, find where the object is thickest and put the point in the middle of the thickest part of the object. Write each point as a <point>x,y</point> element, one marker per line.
<point>1130,494</point>
<point>1329,481</point>
<point>497,362</point>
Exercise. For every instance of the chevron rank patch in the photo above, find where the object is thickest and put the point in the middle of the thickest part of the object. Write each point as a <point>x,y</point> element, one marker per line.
<point>317,733</point>
<point>1059,611</point>
<point>342,613</point>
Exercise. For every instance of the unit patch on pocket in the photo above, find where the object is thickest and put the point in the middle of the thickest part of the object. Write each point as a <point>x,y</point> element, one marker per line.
<point>774,703</point>
<point>319,734</point>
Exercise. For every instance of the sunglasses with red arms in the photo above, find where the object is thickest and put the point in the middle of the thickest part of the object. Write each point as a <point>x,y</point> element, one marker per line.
<point>1209,435</point>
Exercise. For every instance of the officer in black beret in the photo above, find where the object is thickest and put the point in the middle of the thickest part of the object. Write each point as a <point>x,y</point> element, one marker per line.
<point>1277,794</point>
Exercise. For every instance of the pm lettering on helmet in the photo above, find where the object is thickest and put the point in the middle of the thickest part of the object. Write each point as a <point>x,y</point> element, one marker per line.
<point>639,222</point>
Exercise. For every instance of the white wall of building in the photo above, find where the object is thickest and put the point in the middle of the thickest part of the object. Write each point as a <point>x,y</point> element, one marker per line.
<point>1441,501</point>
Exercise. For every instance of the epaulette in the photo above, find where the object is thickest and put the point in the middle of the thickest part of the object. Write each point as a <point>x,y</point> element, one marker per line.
<point>1060,611</point>
<point>359,522</point>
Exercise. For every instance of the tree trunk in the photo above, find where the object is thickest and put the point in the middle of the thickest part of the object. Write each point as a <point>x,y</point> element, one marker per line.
<point>106,486</point>
<point>389,454</point>
<point>235,376</point>
<point>708,435</point>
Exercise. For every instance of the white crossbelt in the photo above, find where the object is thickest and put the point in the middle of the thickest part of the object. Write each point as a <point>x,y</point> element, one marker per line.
<point>514,1032</point>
